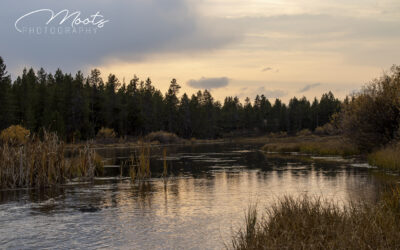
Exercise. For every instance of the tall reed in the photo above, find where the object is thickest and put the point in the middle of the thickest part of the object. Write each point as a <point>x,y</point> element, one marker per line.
<point>139,164</point>
<point>42,163</point>
<point>165,166</point>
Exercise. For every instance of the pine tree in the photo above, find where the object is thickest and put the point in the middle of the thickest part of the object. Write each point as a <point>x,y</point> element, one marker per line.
<point>7,108</point>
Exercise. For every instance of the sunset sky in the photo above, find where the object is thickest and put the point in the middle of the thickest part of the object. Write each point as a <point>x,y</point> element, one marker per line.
<point>279,48</point>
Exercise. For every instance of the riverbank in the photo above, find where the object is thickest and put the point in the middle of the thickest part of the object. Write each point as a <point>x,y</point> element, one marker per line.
<point>317,145</point>
<point>313,223</point>
<point>387,158</point>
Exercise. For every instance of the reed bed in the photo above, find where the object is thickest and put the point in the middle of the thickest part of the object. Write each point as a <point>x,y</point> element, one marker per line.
<point>307,223</point>
<point>40,163</point>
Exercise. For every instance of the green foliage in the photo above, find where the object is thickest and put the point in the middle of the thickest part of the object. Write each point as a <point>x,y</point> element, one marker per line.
<point>371,118</point>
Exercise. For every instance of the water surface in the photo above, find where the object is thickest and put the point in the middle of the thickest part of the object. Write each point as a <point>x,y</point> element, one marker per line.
<point>198,207</point>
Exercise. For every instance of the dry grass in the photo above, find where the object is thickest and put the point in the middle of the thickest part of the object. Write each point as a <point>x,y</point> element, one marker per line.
<point>307,223</point>
<point>386,158</point>
<point>313,145</point>
<point>139,164</point>
<point>106,133</point>
<point>165,166</point>
<point>14,135</point>
<point>164,137</point>
<point>42,163</point>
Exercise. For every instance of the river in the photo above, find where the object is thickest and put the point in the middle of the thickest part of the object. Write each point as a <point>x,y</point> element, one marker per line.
<point>199,206</point>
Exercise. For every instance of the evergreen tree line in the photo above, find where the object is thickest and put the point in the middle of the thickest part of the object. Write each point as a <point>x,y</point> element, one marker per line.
<point>76,107</point>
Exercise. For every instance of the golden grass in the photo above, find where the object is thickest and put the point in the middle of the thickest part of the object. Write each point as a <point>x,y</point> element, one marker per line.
<point>386,158</point>
<point>306,223</point>
<point>106,133</point>
<point>313,145</point>
<point>42,163</point>
<point>14,135</point>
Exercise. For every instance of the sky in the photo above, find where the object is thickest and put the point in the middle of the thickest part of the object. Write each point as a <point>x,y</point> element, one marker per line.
<point>279,48</point>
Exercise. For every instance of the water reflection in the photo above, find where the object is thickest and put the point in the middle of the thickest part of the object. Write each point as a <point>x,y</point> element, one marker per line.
<point>196,208</point>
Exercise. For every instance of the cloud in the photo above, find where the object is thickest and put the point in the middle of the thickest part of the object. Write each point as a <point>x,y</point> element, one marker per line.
<point>266,69</point>
<point>209,83</point>
<point>137,30</point>
<point>268,93</point>
<point>308,87</point>
<point>367,40</point>
<point>277,93</point>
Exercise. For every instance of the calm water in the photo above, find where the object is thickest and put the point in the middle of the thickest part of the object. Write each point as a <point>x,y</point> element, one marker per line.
<point>198,208</point>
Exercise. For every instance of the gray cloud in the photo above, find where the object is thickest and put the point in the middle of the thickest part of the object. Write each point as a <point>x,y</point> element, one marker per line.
<point>277,93</point>
<point>266,69</point>
<point>268,93</point>
<point>209,83</point>
<point>308,87</point>
<point>136,30</point>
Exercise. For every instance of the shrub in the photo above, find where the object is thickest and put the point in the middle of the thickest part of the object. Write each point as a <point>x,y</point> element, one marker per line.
<point>327,129</point>
<point>14,134</point>
<point>106,133</point>
<point>163,137</point>
<point>371,117</point>
<point>304,132</point>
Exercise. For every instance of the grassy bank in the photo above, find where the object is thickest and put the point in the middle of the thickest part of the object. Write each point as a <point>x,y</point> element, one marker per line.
<point>307,223</point>
<point>318,145</point>
<point>386,158</point>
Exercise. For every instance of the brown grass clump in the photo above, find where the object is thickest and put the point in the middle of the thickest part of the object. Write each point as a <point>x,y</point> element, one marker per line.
<point>14,135</point>
<point>40,163</point>
<point>106,133</point>
<point>304,132</point>
<point>307,223</point>
<point>386,158</point>
<point>163,137</point>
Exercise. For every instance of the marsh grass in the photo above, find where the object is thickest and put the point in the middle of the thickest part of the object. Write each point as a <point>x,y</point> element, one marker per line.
<point>165,166</point>
<point>316,145</point>
<point>307,223</point>
<point>386,158</point>
<point>139,163</point>
<point>40,163</point>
